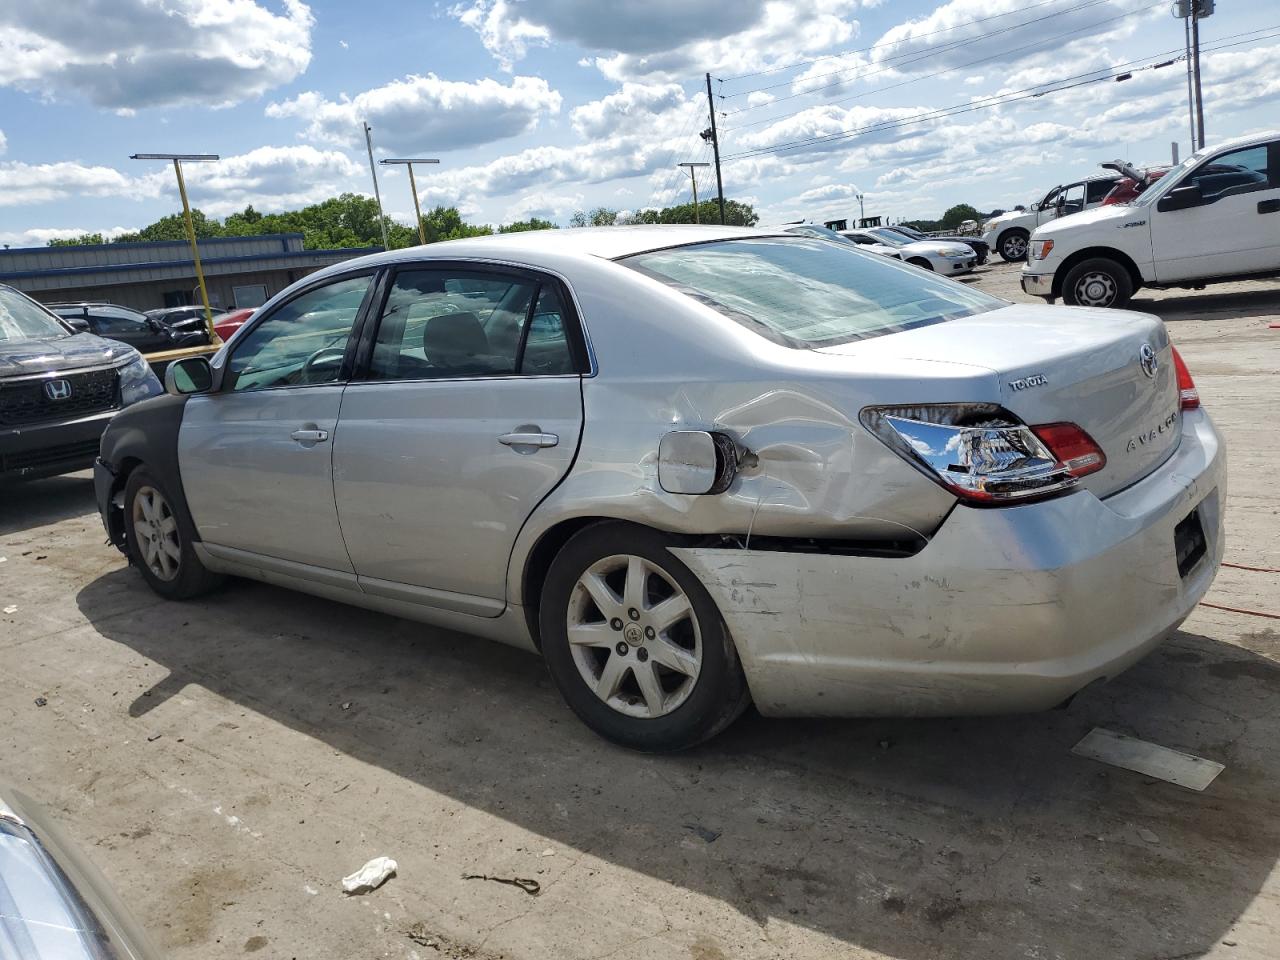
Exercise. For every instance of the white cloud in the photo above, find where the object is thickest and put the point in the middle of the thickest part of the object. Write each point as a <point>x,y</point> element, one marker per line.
<point>3,143</point>
<point>664,39</point>
<point>426,113</point>
<point>40,236</point>
<point>28,183</point>
<point>272,178</point>
<point>129,54</point>
<point>634,103</point>
<point>548,206</point>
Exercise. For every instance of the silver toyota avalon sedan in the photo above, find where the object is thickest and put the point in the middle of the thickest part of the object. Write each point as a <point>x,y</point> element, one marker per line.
<point>694,467</point>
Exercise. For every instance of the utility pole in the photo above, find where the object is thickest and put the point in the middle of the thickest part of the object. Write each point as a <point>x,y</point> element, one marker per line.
<point>710,134</point>
<point>413,185</point>
<point>177,159</point>
<point>1191,93</point>
<point>382,223</point>
<point>1199,8</point>
<point>693,173</point>
<point>1192,12</point>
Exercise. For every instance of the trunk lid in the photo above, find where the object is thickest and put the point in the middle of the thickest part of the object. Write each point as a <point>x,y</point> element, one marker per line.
<point>1075,364</point>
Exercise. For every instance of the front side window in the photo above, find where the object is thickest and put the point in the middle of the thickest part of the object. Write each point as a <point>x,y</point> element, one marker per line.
<point>1072,199</point>
<point>1240,171</point>
<point>806,293</point>
<point>301,343</point>
<point>441,323</point>
<point>21,318</point>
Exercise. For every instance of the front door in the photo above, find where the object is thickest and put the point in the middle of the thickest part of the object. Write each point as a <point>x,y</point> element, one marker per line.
<point>467,416</point>
<point>1235,225</point>
<point>257,456</point>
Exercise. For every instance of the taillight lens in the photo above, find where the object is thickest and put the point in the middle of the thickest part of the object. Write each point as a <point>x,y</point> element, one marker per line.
<point>1188,395</point>
<point>1074,448</point>
<point>984,454</point>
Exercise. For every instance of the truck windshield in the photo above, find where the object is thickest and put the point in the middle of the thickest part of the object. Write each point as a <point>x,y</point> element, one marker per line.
<point>806,293</point>
<point>23,319</point>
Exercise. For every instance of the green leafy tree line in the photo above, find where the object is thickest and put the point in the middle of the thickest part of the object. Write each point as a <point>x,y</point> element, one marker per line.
<point>736,213</point>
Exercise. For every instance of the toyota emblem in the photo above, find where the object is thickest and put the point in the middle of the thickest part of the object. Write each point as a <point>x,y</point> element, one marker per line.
<point>1147,360</point>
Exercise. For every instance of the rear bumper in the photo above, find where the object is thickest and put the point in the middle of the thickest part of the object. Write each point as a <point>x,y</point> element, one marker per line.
<point>1037,284</point>
<point>1006,610</point>
<point>49,449</point>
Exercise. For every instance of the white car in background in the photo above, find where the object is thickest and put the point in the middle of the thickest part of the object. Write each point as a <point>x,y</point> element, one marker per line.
<point>947,257</point>
<point>1215,217</point>
<point>1010,233</point>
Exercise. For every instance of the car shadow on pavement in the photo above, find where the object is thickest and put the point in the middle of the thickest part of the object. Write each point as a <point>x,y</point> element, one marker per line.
<point>967,838</point>
<point>36,503</point>
<point>1210,305</point>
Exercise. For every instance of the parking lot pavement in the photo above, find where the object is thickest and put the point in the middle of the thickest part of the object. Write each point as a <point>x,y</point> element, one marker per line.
<point>227,761</point>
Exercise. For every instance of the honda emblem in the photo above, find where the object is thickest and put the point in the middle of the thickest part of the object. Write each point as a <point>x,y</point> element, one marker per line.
<point>57,389</point>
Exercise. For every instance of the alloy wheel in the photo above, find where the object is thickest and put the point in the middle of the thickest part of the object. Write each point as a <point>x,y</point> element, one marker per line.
<point>156,530</point>
<point>1095,289</point>
<point>1015,247</point>
<point>634,636</point>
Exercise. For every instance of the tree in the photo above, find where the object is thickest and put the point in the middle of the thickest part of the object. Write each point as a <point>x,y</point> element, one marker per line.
<point>83,239</point>
<point>958,214</point>
<point>599,217</point>
<point>446,223</point>
<point>533,223</point>
<point>173,227</point>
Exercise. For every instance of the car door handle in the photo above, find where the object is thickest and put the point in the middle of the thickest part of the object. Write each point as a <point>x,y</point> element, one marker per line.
<point>529,439</point>
<point>1269,206</point>
<point>310,436</point>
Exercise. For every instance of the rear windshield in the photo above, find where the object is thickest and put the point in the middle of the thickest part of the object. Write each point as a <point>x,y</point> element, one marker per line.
<point>805,292</point>
<point>23,319</point>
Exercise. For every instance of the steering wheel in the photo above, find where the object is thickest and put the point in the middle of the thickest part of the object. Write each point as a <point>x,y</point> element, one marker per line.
<point>324,353</point>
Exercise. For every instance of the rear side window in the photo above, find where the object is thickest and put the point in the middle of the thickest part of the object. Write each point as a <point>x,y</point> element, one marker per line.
<point>808,293</point>
<point>441,324</point>
<point>1098,189</point>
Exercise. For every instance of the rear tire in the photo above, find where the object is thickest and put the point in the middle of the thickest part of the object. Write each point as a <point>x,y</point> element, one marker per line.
<point>635,643</point>
<point>921,263</point>
<point>1097,282</point>
<point>158,539</point>
<point>1013,245</point>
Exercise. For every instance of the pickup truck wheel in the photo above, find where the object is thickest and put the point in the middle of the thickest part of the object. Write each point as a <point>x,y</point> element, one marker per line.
<point>635,643</point>
<point>158,540</point>
<point>1013,245</point>
<point>1098,282</point>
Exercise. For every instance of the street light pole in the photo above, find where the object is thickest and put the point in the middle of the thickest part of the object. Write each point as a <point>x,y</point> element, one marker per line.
<point>413,185</point>
<point>177,159</point>
<point>382,222</point>
<point>693,173</point>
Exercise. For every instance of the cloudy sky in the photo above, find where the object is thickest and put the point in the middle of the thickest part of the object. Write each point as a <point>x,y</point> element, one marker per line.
<point>541,107</point>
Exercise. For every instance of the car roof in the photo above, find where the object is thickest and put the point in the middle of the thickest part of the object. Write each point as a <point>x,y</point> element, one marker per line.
<point>1246,141</point>
<point>606,243</point>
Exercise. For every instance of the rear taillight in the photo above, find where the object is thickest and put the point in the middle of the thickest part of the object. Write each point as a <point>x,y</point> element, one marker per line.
<point>1074,448</point>
<point>1188,395</point>
<point>984,454</point>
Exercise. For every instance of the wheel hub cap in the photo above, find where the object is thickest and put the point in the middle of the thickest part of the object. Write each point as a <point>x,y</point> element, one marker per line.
<point>654,667</point>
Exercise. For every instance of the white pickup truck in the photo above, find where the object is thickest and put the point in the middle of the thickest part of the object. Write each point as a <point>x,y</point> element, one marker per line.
<point>1215,217</point>
<point>1009,233</point>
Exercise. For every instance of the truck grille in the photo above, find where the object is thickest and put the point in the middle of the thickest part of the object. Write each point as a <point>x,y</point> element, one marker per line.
<point>77,395</point>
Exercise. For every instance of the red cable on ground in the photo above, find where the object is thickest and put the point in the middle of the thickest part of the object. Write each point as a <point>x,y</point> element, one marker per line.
<point>1250,613</point>
<point>1241,566</point>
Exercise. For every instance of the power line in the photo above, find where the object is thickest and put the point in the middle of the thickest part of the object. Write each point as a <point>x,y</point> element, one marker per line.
<point>904,83</point>
<point>984,103</point>
<point>837,56</point>
<point>934,51</point>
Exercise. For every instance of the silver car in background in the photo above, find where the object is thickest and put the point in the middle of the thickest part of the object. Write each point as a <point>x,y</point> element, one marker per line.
<point>947,257</point>
<point>693,467</point>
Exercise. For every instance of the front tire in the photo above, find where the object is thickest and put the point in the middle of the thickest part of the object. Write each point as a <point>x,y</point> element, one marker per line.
<point>922,263</point>
<point>635,643</point>
<point>1013,245</point>
<point>158,540</point>
<point>1098,282</point>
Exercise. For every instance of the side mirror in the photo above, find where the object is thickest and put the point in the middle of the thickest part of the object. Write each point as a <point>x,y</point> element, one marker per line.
<point>78,324</point>
<point>188,375</point>
<point>1180,198</point>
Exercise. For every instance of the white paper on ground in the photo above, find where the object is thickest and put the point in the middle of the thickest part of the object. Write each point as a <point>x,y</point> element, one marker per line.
<point>1150,759</point>
<point>369,877</point>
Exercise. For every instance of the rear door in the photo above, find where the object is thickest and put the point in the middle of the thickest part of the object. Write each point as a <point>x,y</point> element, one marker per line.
<point>1234,228</point>
<point>467,414</point>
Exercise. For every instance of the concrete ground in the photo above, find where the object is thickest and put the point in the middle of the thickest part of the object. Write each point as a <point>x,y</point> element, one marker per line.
<point>226,761</point>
